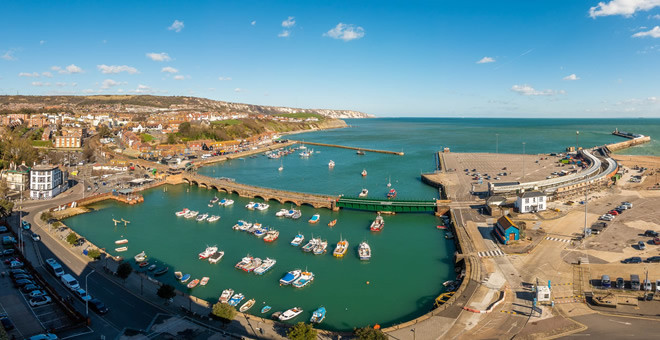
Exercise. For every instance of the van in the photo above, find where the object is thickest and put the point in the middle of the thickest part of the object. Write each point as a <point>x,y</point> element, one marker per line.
<point>54,267</point>
<point>634,282</point>
<point>205,156</point>
<point>70,282</point>
<point>605,281</point>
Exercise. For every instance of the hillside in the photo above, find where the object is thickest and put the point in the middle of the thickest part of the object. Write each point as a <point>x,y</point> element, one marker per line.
<point>145,103</point>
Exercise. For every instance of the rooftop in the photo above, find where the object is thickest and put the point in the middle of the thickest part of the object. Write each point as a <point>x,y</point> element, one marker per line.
<point>44,167</point>
<point>528,194</point>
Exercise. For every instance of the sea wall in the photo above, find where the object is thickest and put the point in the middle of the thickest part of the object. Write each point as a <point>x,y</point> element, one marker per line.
<point>629,143</point>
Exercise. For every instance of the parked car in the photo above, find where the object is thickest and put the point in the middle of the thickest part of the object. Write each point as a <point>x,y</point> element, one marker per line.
<point>17,277</point>
<point>641,245</point>
<point>620,283</point>
<point>36,237</point>
<point>40,301</point>
<point>657,286</point>
<point>82,294</point>
<point>25,225</point>
<point>15,264</point>
<point>651,233</point>
<point>46,336</point>
<point>646,285</point>
<point>613,212</point>
<point>98,306</point>
<point>6,322</point>
<point>17,271</point>
<point>8,252</point>
<point>634,259</point>
<point>3,229</point>
<point>605,281</point>
<point>30,288</point>
<point>36,293</point>
<point>653,259</point>
<point>23,282</point>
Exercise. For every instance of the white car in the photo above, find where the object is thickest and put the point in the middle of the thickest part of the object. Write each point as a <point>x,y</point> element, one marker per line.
<point>37,293</point>
<point>81,293</point>
<point>40,301</point>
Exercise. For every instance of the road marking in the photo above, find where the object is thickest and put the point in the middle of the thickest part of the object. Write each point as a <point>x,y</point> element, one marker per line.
<point>491,253</point>
<point>622,322</point>
<point>79,334</point>
<point>128,303</point>
<point>557,239</point>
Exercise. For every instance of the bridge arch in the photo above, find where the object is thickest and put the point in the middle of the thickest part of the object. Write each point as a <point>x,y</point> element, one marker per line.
<point>203,185</point>
<point>286,201</point>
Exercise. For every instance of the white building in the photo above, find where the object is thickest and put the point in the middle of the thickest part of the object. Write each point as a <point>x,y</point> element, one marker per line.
<point>532,201</point>
<point>47,181</point>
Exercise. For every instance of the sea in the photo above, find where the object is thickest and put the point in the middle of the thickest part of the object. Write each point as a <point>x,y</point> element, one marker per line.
<point>411,257</point>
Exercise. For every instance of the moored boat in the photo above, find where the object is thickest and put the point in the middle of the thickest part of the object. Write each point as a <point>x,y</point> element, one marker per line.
<point>143,264</point>
<point>191,214</point>
<point>315,218</point>
<point>289,277</point>
<point>161,271</point>
<point>213,218</point>
<point>377,224</point>
<point>216,257</point>
<point>246,306</point>
<point>182,212</point>
<point>290,313</point>
<point>271,235</point>
<point>364,172</point>
<point>204,281</point>
<point>266,309</point>
<point>364,193</point>
<point>364,251</point>
<point>318,315</point>
<point>298,240</point>
<point>320,248</point>
<point>228,203</point>
<point>250,205</point>
<point>311,244</point>
<point>192,284</point>
<point>140,257</point>
<point>360,152</point>
<point>259,232</point>
<point>120,249</point>
<point>261,206</point>
<point>296,214</point>
<point>178,275</point>
<point>265,266</point>
<point>236,299</point>
<point>122,241</point>
<point>185,278</point>
<point>254,264</point>
<point>281,213</point>
<point>342,247</point>
<point>332,223</point>
<point>208,252</point>
<point>214,200</point>
<point>202,217</point>
<point>391,194</point>
<point>304,279</point>
<point>151,268</point>
<point>226,295</point>
<point>331,164</point>
<point>244,262</point>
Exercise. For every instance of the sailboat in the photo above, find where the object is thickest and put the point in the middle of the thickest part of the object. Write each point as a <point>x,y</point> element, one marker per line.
<point>389,181</point>
<point>281,167</point>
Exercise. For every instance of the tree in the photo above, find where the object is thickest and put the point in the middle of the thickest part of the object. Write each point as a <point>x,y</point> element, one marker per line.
<point>370,333</point>
<point>184,128</point>
<point>124,270</point>
<point>166,291</point>
<point>71,238</point>
<point>224,311</point>
<point>46,216</point>
<point>171,138</point>
<point>103,131</point>
<point>6,208</point>
<point>94,254</point>
<point>301,331</point>
<point>88,153</point>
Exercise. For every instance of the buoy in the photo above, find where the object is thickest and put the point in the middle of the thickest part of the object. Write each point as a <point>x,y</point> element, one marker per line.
<point>367,282</point>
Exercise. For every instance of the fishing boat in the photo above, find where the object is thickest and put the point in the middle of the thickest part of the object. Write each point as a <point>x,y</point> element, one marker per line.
<point>120,249</point>
<point>364,172</point>
<point>342,247</point>
<point>143,264</point>
<point>364,193</point>
<point>281,213</point>
<point>254,264</point>
<point>315,218</point>
<point>304,279</point>
<point>204,281</point>
<point>140,257</point>
<point>185,278</point>
<point>318,315</point>
<point>182,212</point>
<point>216,257</point>
<point>192,284</point>
<point>289,277</point>
<point>298,240</point>
<point>320,248</point>
<point>260,232</point>
<point>151,268</point>
<point>265,266</point>
<point>271,235</point>
<point>213,218</point>
<point>266,309</point>
<point>226,295</point>
<point>242,225</point>
<point>377,224</point>
<point>244,308</point>
<point>290,313</point>
<point>215,199</point>
<point>161,271</point>
<point>122,241</point>
<point>296,214</point>
<point>261,206</point>
<point>331,164</point>
<point>364,251</point>
<point>332,223</point>
<point>202,217</point>
<point>311,244</point>
<point>191,214</point>
<point>208,252</point>
<point>236,299</point>
<point>391,194</point>
<point>178,275</point>
<point>244,262</point>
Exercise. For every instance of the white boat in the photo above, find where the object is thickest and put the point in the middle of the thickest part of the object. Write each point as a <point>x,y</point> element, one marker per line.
<point>215,199</point>
<point>140,257</point>
<point>120,249</point>
<point>311,245</point>
<point>191,214</point>
<point>364,172</point>
<point>280,168</point>
<point>122,241</point>
<point>182,212</point>
<point>202,217</point>
<point>296,214</point>
<point>364,250</point>
<point>331,164</point>
<point>290,313</point>
<point>261,206</point>
<point>213,218</point>
<point>204,281</point>
<point>364,193</point>
<point>304,279</point>
<point>298,240</point>
<point>229,202</point>
<point>265,266</point>
<point>208,252</point>
<point>250,205</point>
<point>320,248</point>
<point>236,299</point>
<point>226,295</point>
<point>290,277</point>
<point>216,257</point>
<point>281,213</point>
<point>244,308</point>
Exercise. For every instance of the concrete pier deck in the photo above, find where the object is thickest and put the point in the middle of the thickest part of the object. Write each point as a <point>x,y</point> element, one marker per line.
<point>354,148</point>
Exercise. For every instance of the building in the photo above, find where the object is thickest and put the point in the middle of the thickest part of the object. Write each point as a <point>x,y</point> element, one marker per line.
<point>17,178</point>
<point>47,181</point>
<point>532,201</point>
<point>68,142</point>
<point>543,294</point>
<point>495,206</point>
<point>506,231</point>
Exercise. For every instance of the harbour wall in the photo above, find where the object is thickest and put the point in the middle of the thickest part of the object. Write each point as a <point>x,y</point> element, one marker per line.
<point>629,143</point>
<point>354,148</point>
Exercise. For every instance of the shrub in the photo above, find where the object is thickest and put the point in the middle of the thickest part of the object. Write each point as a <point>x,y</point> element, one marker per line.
<point>370,333</point>
<point>124,270</point>
<point>94,254</point>
<point>166,291</point>
<point>301,331</point>
<point>71,238</point>
<point>224,311</point>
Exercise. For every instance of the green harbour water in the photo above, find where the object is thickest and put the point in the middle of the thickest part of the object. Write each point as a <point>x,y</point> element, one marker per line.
<point>411,258</point>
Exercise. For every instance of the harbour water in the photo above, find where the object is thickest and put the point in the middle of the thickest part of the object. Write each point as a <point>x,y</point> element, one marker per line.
<point>411,258</point>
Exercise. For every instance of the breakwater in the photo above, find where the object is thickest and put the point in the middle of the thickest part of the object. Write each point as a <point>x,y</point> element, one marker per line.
<point>355,148</point>
<point>633,139</point>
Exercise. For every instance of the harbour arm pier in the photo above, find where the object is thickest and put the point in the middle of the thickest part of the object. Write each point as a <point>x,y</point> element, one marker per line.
<point>354,148</point>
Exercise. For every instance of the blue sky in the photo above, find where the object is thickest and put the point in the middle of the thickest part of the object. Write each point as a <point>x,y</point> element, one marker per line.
<point>391,58</point>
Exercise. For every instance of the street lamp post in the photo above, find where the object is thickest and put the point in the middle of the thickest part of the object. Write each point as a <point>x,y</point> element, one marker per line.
<point>414,334</point>
<point>87,291</point>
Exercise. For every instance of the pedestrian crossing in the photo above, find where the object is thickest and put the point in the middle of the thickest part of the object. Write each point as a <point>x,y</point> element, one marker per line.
<point>491,253</point>
<point>557,239</point>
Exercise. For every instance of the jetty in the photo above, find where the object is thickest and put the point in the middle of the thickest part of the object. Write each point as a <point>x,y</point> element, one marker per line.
<point>353,148</point>
<point>633,139</point>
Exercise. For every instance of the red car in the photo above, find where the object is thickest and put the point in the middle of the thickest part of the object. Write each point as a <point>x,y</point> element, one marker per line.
<point>613,212</point>
<point>656,240</point>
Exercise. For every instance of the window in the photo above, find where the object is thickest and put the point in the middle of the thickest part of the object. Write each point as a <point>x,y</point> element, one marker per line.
<point>526,200</point>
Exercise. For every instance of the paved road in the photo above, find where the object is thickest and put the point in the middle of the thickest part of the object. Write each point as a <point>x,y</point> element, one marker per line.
<point>615,327</point>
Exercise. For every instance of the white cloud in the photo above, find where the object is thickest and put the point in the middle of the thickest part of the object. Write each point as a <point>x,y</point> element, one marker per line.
<point>653,33</point>
<point>179,77</point>
<point>176,26</point>
<point>106,69</point>
<point>238,89</point>
<point>87,91</point>
<point>108,83</point>
<point>345,32</point>
<point>55,68</point>
<point>657,16</point>
<point>159,56</point>
<point>71,69</point>
<point>284,34</point>
<point>486,60</point>
<point>527,90</point>
<point>168,69</point>
<point>61,84</point>
<point>29,75</point>
<point>47,74</point>
<point>38,83</point>
<point>9,55</point>
<point>289,22</point>
<point>622,7</point>
<point>253,22</point>
<point>224,78</point>
<point>143,89</point>
<point>571,77</point>
<point>41,42</point>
